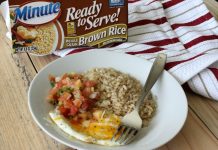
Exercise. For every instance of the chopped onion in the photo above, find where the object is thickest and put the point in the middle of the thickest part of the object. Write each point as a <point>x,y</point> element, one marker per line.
<point>57,79</point>
<point>93,95</point>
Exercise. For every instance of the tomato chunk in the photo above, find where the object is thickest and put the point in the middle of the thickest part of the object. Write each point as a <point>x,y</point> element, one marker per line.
<point>73,110</point>
<point>87,92</point>
<point>87,104</point>
<point>64,111</point>
<point>90,83</point>
<point>52,93</point>
<point>68,104</point>
<point>65,96</point>
<point>64,76</point>
<point>77,103</point>
<point>59,84</point>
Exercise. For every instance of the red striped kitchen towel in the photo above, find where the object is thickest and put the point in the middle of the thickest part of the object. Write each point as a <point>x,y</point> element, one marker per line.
<point>184,30</point>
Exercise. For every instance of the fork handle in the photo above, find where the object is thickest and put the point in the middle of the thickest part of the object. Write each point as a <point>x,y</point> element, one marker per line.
<point>156,70</point>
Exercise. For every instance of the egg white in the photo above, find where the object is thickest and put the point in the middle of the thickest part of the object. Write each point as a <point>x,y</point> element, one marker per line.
<point>64,125</point>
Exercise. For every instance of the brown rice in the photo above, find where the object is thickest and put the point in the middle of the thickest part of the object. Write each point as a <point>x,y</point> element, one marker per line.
<point>119,93</point>
<point>45,39</point>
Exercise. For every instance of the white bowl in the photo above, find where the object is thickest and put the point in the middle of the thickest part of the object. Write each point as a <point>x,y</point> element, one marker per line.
<point>171,100</point>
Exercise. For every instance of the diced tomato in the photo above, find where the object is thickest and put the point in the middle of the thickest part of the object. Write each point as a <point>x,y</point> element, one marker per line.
<point>65,96</point>
<point>68,104</point>
<point>73,110</point>
<point>59,84</point>
<point>82,98</point>
<point>77,103</point>
<point>55,96</point>
<point>87,104</point>
<point>65,81</point>
<point>86,92</point>
<point>52,93</point>
<point>51,78</point>
<point>64,76</point>
<point>90,83</point>
<point>64,111</point>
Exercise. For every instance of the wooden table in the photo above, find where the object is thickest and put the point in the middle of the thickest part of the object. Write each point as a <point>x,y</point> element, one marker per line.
<point>18,131</point>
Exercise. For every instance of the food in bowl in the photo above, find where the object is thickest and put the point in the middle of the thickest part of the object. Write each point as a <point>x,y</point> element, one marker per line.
<point>89,106</point>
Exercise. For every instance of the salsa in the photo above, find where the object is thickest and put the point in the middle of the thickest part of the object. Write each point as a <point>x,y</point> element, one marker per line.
<point>73,94</point>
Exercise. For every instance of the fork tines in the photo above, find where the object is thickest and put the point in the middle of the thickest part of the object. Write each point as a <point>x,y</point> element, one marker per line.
<point>124,134</point>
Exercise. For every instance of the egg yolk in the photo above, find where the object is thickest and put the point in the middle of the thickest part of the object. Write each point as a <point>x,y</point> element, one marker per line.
<point>101,126</point>
<point>105,128</point>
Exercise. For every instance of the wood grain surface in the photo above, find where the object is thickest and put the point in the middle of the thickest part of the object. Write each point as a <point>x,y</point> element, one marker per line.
<point>18,131</point>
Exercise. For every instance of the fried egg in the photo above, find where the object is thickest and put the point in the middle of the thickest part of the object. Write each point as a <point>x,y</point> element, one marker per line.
<point>97,131</point>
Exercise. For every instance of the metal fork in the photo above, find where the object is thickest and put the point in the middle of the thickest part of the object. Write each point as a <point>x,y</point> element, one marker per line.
<point>131,123</point>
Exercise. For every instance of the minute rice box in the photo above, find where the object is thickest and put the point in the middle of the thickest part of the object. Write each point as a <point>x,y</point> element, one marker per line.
<point>41,27</point>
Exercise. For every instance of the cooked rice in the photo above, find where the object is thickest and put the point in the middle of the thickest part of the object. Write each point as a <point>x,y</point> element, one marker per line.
<point>45,39</point>
<point>119,93</point>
